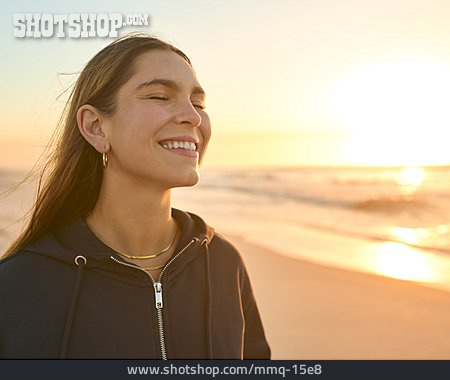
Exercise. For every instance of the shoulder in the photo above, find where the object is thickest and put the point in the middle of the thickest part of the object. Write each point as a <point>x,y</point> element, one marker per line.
<point>223,249</point>
<point>223,244</point>
<point>27,269</point>
<point>17,261</point>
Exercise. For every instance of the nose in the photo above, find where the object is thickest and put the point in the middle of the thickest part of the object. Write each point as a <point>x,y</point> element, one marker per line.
<point>188,115</point>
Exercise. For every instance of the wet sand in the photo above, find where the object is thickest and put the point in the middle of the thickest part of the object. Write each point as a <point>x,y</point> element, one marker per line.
<point>312,311</point>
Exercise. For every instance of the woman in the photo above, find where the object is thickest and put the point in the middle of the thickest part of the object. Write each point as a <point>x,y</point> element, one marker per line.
<point>106,268</point>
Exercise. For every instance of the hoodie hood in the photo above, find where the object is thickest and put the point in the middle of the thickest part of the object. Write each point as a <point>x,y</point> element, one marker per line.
<point>76,238</point>
<point>76,244</point>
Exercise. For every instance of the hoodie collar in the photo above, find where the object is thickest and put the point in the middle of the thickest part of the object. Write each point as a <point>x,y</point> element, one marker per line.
<point>77,238</point>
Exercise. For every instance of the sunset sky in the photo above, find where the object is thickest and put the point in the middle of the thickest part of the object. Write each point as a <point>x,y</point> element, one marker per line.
<point>302,82</point>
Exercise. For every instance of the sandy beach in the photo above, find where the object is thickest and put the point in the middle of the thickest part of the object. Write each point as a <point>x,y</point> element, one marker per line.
<point>312,311</point>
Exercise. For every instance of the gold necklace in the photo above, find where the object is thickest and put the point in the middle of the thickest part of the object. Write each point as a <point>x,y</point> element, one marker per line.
<point>155,268</point>
<point>142,257</point>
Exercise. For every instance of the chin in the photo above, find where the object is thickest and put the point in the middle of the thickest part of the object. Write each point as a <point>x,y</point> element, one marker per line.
<point>186,180</point>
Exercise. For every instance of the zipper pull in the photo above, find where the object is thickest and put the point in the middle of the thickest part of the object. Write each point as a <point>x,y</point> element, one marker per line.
<point>158,295</point>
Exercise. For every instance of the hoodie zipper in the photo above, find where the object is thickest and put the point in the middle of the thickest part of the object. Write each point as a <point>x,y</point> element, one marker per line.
<point>157,286</point>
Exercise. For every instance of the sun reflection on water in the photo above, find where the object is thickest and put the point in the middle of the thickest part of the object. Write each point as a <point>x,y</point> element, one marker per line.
<point>400,261</point>
<point>410,179</point>
<point>410,235</point>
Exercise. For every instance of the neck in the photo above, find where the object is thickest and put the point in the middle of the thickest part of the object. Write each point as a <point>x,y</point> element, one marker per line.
<point>134,219</point>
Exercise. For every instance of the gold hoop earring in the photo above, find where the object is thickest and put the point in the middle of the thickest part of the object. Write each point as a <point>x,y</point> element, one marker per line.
<point>105,160</point>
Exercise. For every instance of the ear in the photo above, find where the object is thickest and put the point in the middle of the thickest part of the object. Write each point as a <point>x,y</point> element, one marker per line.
<point>89,121</point>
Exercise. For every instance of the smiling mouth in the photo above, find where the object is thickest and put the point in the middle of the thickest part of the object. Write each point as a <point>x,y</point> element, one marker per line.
<point>184,148</point>
<point>185,145</point>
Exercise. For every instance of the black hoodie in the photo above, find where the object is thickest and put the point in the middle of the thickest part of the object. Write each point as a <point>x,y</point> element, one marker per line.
<point>68,295</point>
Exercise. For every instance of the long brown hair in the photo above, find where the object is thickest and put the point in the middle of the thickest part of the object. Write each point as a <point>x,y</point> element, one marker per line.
<point>70,178</point>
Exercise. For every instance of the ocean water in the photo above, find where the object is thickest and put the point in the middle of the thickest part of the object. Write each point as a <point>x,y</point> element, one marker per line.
<point>389,221</point>
<point>393,222</point>
<point>405,205</point>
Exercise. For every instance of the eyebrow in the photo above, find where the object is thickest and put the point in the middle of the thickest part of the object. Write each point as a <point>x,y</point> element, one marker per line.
<point>168,83</point>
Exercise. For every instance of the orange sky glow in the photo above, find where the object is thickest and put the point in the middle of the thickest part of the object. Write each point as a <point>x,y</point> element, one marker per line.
<point>288,83</point>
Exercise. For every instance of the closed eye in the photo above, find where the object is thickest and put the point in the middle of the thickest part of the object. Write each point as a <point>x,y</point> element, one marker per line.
<point>162,97</point>
<point>199,105</point>
<point>158,97</point>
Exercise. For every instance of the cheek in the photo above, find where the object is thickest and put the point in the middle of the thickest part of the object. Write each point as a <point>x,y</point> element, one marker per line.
<point>144,115</point>
<point>139,121</point>
<point>205,129</point>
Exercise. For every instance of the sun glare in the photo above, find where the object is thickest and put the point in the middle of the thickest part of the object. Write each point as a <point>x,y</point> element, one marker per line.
<point>396,112</point>
<point>410,179</point>
<point>410,235</point>
<point>399,261</point>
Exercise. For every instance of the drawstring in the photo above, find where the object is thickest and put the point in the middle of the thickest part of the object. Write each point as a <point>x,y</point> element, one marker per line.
<point>80,261</point>
<point>208,301</point>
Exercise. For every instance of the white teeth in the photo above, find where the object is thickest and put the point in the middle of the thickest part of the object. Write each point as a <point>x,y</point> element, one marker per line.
<point>180,144</point>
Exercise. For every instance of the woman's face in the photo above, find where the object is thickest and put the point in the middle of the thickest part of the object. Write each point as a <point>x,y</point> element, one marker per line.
<point>159,131</point>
